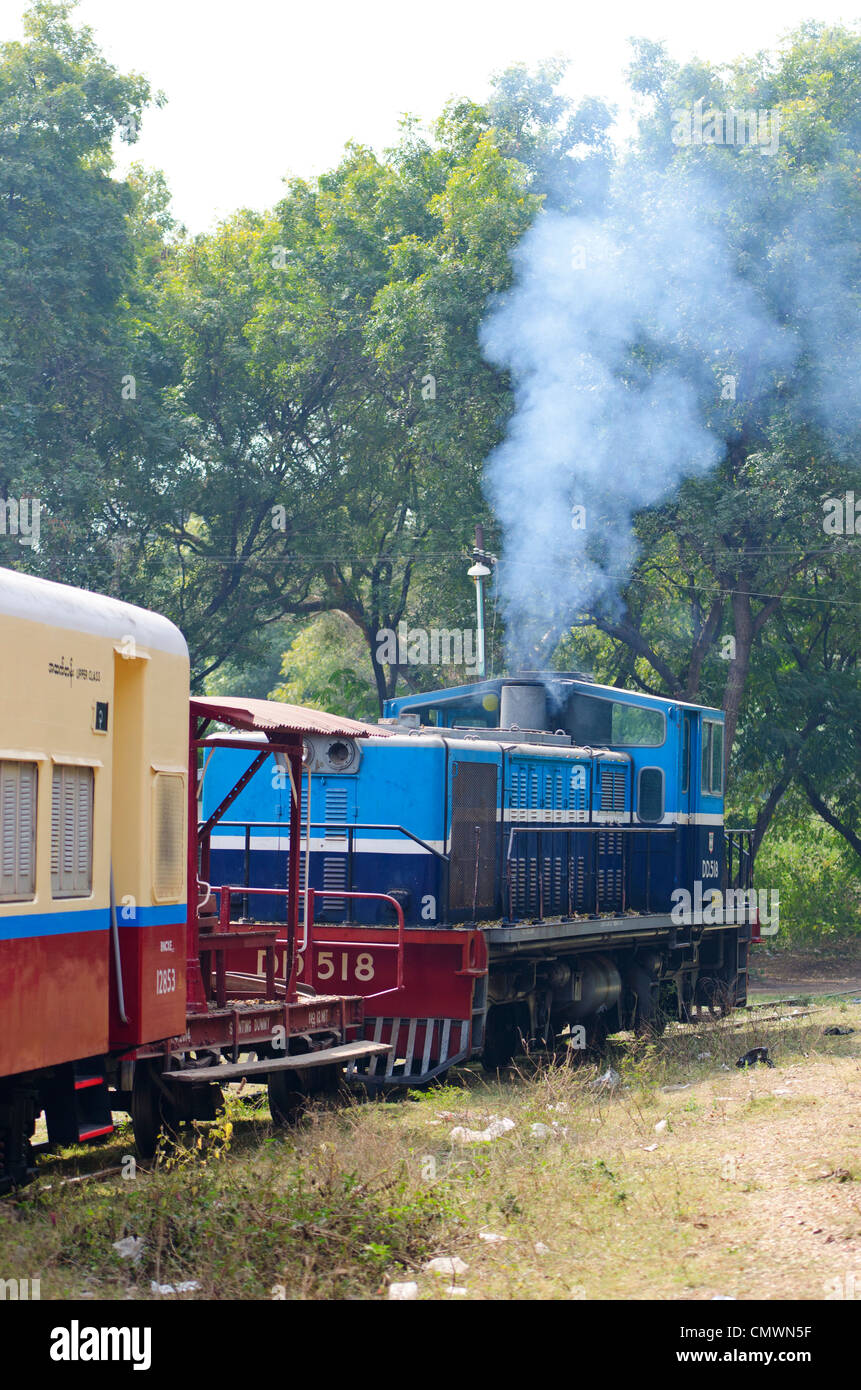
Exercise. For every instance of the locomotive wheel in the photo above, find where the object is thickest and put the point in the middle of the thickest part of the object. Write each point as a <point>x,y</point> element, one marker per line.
<point>598,1030</point>
<point>502,1038</point>
<point>711,1001</point>
<point>152,1113</point>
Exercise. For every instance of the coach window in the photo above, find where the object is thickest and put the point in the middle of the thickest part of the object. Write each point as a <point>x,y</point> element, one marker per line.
<point>72,832</point>
<point>650,800</point>
<point>712,768</point>
<point>18,788</point>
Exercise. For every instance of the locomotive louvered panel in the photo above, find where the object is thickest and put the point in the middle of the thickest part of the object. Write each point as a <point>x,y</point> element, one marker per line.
<point>473,836</point>
<point>609,871</point>
<point>72,832</point>
<point>334,876</point>
<point>301,872</point>
<point>562,796</point>
<point>578,809</point>
<point>168,850</point>
<point>580,884</point>
<point>336,812</point>
<point>613,780</point>
<point>556,866</point>
<point>18,784</point>
<point>518,794</point>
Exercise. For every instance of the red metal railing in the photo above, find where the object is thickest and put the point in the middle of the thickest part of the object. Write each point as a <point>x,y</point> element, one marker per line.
<point>243,890</point>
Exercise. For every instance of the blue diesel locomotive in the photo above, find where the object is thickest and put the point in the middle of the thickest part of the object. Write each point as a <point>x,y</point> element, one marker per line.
<point>578,827</point>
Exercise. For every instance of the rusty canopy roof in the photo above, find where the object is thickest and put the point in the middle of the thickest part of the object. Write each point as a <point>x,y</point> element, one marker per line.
<point>273,717</point>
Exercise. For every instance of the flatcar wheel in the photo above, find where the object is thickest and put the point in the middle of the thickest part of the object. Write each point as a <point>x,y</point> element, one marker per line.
<point>17,1115</point>
<point>324,1081</point>
<point>151,1114</point>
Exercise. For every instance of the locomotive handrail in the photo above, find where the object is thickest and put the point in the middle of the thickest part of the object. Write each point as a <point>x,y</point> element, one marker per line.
<point>348,826</point>
<point>739,848</point>
<point>227,889</point>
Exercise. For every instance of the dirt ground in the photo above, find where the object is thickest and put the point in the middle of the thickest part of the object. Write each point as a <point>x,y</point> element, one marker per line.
<point>834,968</point>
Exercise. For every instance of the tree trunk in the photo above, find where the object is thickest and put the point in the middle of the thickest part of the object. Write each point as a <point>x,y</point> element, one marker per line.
<point>829,817</point>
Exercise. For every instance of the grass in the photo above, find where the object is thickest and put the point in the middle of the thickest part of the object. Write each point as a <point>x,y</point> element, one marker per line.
<point>686,1179</point>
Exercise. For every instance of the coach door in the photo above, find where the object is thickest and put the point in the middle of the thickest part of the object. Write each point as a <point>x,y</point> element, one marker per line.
<point>473,848</point>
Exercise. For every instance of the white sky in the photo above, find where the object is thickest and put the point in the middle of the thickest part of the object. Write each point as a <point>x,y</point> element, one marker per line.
<point>258,89</point>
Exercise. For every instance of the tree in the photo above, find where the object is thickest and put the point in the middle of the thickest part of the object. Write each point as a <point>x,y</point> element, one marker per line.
<point>70,380</point>
<point>334,407</point>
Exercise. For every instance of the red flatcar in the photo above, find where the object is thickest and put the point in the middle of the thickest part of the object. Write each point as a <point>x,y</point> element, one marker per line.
<point>113,988</point>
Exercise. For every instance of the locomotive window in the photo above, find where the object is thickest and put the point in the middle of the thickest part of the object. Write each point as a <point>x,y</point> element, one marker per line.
<point>712,768</point>
<point>636,726</point>
<point>650,803</point>
<point>18,786</point>
<point>168,848</point>
<point>686,753</point>
<point>588,720</point>
<point>72,832</point>
<point>594,721</point>
<point>717,760</point>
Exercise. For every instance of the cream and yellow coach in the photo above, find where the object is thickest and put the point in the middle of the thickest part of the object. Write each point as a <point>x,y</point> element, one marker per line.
<point>93,771</point>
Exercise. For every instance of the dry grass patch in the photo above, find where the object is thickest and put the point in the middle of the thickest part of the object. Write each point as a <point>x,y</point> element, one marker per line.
<point>685,1178</point>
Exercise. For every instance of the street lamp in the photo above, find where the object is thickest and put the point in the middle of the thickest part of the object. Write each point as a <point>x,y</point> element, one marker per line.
<point>478,572</point>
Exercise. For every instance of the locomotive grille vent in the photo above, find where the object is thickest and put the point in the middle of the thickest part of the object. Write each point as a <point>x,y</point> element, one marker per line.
<point>334,876</point>
<point>613,789</point>
<point>336,812</point>
<point>610,870</point>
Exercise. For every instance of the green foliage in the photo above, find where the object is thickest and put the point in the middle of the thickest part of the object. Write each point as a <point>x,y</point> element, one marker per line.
<point>326,667</point>
<point>68,328</point>
<point>817,877</point>
<point>299,464</point>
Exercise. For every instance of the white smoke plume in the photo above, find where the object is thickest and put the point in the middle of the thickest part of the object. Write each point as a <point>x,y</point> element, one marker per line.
<point>629,337</point>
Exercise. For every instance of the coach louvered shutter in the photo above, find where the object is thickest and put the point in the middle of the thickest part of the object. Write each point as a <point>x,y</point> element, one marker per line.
<point>72,832</point>
<point>17,830</point>
<point>168,868</point>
